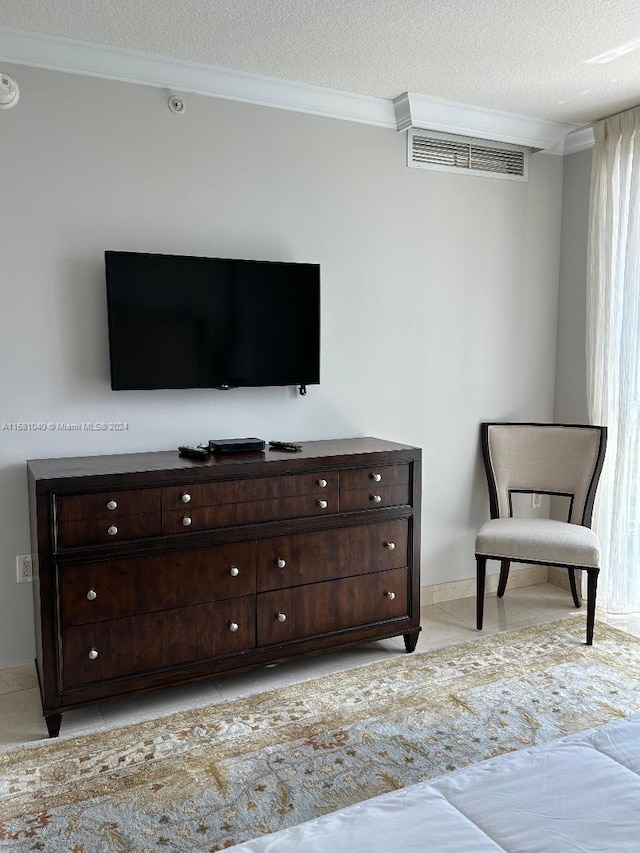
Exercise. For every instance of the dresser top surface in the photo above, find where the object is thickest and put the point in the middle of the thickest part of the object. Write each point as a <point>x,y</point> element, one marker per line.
<point>51,473</point>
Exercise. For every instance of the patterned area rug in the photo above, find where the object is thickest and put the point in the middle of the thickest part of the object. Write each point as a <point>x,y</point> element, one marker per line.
<point>204,779</point>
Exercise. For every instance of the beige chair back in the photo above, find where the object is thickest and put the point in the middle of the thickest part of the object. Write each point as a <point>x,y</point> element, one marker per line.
<point>550,459</point>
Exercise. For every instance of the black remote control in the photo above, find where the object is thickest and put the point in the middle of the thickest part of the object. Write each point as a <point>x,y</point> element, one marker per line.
<point>286,446</point>
<point>194,452</point>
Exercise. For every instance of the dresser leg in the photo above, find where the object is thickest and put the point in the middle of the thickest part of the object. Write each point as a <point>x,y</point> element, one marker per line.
<point>53,722</point>
<point>411,640</point>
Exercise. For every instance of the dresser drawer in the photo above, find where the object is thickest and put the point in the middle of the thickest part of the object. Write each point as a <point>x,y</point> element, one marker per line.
<point>107,504</point>
<point>144,643</point>
<point>296,612</point>
<point>250,491</point>
<point>98,591</point>
<point>248,512</point>
<point>329,554</point>
<point>95,531</point>
<point>367,478</point>
<point>374,497</point>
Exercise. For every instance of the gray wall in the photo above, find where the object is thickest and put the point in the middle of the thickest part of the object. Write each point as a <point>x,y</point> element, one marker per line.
<point>571,366</point>
<point>439,291</point>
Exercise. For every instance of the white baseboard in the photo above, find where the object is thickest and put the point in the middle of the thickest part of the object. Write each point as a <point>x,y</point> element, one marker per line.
<point>524,576</point>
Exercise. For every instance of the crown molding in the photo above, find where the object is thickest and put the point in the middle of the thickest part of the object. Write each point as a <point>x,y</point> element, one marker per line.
<point>579,140</point>
<point>466,120</point>
<point>129,66</point>
<point>56,53</point>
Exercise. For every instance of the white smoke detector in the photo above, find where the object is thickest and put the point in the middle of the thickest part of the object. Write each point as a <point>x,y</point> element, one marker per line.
<point>9,91</point>
<point>177,105</point>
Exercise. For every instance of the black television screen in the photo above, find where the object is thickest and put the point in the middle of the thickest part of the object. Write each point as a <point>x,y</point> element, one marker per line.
<point>182,322</point>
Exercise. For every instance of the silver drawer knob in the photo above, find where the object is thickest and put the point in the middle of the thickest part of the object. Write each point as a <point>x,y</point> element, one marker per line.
<point>376,499</point>
<point>92,595</point>
<point>281,617</point>
<point>323,504</point>
<point>185,498</point>
<point>112,530</point>
<point>323,484</point>
<point>390,595</point>
<point>233,626</point>
<point>376,477</point>
<point>186,521</point>
<point>112,505</point>
<point>390,546</point>
<point>281,563</point>
<point>93,654</point>
<point>234,571</point>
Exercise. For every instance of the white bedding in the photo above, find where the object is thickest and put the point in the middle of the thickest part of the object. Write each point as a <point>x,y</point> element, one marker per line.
<point>579,794</point>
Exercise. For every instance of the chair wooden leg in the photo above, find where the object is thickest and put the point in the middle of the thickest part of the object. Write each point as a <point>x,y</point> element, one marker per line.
<point>592,586</point>
<point>574,588</point>
<point>481,572</point>
<point>504,577</point>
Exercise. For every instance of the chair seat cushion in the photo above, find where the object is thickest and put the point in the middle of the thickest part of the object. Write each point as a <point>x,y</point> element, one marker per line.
<point>539,540</point>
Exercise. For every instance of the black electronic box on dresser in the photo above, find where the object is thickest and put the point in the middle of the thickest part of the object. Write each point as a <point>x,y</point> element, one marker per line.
<point>154,570</point>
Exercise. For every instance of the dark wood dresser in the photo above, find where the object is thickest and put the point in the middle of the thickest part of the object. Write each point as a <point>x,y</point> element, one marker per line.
<point>154,570</point>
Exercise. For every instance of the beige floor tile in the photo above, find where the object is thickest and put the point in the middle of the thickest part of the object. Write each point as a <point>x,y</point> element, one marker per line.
<point>158,703</point>
<point>633,628</point>
<point>518,607</point>
<point>628,623</point>
<point>81,720</point>
<point>18,678</point>
<point>499,613</point>
<point>21,717</point>
<point>440,628</point>
<point>549,603</point>
<point>544,596</point>
<point>540,591</point>
<point>291,672</point>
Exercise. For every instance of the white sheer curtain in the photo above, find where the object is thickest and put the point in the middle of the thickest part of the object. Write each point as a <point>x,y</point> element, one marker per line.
<point>613,351</point>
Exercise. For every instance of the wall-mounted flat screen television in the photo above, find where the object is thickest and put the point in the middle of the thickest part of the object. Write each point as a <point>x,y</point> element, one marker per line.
<point>183,322</point>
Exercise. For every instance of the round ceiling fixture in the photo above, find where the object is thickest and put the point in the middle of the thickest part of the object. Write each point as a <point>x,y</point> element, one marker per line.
<point>9,91</point>
<point>177,105</point>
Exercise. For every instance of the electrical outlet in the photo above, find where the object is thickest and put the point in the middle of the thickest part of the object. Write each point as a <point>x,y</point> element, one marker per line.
<point>24,568</point>
<point>536,501</point>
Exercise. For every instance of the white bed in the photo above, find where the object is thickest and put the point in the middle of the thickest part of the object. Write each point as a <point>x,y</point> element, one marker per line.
<point>581,793</point>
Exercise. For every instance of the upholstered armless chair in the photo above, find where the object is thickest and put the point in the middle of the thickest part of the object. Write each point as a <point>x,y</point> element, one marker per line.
<point>549,459</point>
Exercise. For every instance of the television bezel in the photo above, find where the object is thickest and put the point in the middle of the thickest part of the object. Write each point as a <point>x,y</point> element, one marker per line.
<point>119,386</point>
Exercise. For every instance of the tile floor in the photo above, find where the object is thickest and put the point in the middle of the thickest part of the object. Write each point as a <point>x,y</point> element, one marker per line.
<point>446,623</point>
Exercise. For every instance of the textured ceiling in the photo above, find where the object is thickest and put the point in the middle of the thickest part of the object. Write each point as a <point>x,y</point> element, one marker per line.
<point>519,56</point>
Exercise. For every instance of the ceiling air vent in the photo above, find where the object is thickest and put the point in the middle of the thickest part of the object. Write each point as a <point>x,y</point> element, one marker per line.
<point>445,153</point>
